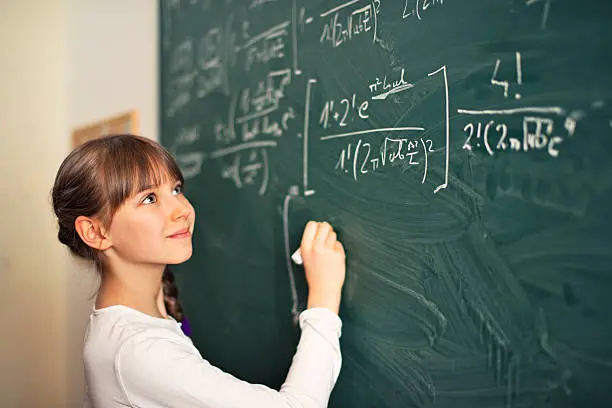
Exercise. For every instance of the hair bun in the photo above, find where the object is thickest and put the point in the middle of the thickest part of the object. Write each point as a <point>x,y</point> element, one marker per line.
<point>70,238</point>
<point>65,236</point>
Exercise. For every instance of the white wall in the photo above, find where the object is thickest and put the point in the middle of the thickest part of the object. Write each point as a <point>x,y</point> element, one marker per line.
<point>64,64</point>
<point>113,53</point>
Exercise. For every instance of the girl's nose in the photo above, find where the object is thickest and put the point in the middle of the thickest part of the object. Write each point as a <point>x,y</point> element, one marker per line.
<point>180,209</point>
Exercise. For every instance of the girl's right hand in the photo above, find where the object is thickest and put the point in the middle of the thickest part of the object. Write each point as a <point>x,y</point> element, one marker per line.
<point>324,262</point>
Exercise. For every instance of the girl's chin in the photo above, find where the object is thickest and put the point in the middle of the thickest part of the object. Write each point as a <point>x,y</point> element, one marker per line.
<point>180,259</point>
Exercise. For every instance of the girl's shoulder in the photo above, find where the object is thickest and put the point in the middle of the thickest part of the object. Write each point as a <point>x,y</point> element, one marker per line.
<point>124,346</point>
<point>111,327</point>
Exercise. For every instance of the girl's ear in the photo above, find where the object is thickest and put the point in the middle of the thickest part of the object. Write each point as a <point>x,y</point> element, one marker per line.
<point>92,233</point>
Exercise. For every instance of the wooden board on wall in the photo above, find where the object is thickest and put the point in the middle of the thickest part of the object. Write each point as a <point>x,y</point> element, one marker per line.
<point>124,123</point>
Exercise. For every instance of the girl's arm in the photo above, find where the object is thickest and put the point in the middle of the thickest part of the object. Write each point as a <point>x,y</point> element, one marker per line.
<point>155,370</point>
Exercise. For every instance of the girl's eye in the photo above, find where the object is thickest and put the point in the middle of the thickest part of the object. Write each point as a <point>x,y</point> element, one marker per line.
<point>178,189</point>
<point>149,199</point>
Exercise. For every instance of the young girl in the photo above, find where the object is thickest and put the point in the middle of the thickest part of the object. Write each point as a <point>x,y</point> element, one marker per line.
<point>119,203</point>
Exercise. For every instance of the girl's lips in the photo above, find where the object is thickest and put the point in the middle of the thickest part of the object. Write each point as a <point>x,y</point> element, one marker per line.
<point>184,233</point>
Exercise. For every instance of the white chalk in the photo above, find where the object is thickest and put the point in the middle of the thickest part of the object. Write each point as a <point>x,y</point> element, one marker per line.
<point>297,257</point>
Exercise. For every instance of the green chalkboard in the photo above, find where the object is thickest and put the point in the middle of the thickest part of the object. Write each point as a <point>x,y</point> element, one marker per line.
<point>463,151</point>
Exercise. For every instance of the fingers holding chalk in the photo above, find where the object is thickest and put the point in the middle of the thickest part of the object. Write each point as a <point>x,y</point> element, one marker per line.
<point>324,264</point>
<point>320,233</point>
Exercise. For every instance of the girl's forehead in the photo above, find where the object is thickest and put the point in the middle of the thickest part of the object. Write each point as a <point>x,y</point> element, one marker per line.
<point>155,176</point>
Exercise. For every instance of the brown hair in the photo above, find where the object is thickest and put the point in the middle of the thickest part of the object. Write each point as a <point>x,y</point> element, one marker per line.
<point>171,300</point>
<point>98,176</point>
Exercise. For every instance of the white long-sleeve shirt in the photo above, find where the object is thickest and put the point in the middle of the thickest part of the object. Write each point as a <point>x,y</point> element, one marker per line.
<point>136,360</point>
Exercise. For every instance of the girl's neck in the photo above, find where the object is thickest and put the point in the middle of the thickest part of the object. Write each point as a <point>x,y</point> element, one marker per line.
<point>134,287</point>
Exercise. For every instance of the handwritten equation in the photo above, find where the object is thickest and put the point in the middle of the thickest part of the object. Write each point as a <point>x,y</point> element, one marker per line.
<point>540,128</point>
<point>340,112</point>
<point>350,20</point>
<point>360,154</point>
<point>360,158</point>
<point>382,89</point>
<point>259,117</point>
<point>537,132</point>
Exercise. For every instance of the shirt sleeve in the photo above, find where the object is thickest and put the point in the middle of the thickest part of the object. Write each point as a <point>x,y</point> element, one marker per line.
<point>156,370</point>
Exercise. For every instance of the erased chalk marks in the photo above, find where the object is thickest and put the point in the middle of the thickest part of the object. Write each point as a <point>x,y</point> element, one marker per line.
<point>481,287</point>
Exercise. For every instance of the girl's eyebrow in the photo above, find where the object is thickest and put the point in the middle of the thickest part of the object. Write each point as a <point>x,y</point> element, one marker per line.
<point>152,186</point>
<point>147,187</point>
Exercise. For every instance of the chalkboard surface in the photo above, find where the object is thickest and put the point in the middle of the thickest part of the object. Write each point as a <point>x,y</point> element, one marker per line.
<point>462,149</point>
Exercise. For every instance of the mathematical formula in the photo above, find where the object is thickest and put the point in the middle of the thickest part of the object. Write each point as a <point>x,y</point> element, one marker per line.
<point>359,159</point>
<point>259,117</point>
<point>341,112</point>
<point>348,21</point>
<point>538,133</point>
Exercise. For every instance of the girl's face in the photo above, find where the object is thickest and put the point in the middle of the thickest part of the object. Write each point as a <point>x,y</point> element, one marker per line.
<point>154,226</point>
